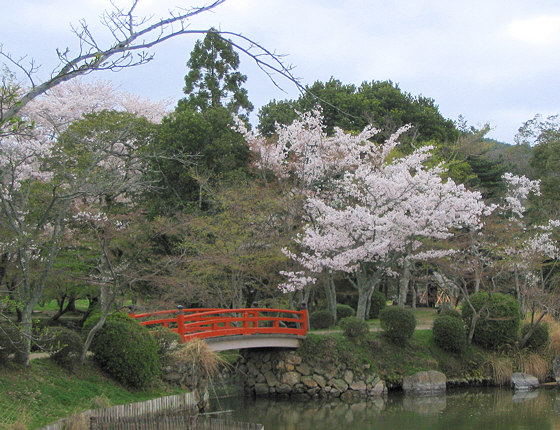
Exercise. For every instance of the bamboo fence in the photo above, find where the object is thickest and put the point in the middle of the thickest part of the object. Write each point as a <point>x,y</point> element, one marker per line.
<point>165,413</point>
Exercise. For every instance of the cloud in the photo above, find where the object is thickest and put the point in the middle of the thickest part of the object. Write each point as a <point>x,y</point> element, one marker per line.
<point>542,30</point>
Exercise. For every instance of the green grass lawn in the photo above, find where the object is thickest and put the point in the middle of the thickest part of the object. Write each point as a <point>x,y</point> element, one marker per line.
<point>42,394</point>
<point>52,306</point>
<point>424,320</point>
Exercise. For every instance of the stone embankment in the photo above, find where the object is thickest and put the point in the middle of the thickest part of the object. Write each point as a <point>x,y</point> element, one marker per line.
<point>287,374</point>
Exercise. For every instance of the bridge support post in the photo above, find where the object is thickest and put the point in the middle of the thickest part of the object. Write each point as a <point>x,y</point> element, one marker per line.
<point>181,322</point>
<point>305,316</point>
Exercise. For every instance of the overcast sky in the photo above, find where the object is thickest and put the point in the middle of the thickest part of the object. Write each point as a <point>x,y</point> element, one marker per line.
<point>495,61</point>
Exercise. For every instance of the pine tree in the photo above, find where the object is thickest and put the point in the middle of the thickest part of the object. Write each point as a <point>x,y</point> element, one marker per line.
<point>213,80</point>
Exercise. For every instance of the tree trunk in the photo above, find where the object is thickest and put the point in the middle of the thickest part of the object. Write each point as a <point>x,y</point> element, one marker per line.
<point>24,351</point>
<point>528,335</point>
<point>106,300</point>
<point>330,292</point>
<point>365,286</point>
<point>404,283</point>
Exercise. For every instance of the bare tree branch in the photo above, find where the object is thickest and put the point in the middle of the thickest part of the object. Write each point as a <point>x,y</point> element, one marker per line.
<point>133,37</point>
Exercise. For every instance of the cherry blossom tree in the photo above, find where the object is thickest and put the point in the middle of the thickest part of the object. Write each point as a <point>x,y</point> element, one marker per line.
<point>46,168</point>
<point>364,208</point>
<point>529,254</point>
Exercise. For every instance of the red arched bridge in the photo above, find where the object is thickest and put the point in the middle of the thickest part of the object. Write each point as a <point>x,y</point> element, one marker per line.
<point>225,329</point>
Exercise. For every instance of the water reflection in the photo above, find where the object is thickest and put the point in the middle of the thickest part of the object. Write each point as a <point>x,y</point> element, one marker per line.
<point>498,409</point>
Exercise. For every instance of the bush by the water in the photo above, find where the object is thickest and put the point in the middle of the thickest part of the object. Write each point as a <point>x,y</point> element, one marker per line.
<point>321,319</point>
<point>353,327</point>
<point>499,320</point>
<point>450,333</point>
<point>344,311</point>
<point>64,346</point>
<point>378,303</point>
<point>540,337</point>
<point>10,341</point>
<point>397,323</point>
<point>166,339</point>
<point>126,350</point>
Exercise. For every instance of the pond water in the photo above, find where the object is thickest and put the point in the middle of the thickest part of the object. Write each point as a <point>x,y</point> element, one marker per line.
<point>484,408</point>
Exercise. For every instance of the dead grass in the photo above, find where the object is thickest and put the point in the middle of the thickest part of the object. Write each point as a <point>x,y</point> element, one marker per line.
<point>501,368</point>
<point>554,331</point>
<point>533,364</point>
<point>77,422</point>
<point>100,402</point>
<point>197,357</point>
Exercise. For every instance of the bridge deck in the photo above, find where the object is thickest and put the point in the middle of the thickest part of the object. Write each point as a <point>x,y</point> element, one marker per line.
<point>226,343</point>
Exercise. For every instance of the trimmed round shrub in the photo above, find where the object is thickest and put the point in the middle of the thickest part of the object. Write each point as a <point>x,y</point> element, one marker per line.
<point>450,333</point>
<point>10,341</point>
<point>64,346</point>
<point>540,337</point>
<point>166,339</point>
<point>498,324</point>
<point>353,327</point>
<point>344,311</point>
<point>449,312</point>
<point>126,350</point>
<point>397,323</point>
<point>96,316</point>
<point>321,319</point>
<point>378,303</point>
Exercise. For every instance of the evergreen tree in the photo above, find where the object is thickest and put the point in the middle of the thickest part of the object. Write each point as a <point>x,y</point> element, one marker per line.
<point>213,80</point>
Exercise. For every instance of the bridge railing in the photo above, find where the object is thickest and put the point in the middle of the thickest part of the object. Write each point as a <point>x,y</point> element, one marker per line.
<point>211,322</point>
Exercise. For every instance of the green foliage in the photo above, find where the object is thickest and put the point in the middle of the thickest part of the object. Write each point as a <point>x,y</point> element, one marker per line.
<point>321,319</point>
<point>397,323</point>
<point>195,150</point>
<point>378,303</point>
<point>450,333</point>
<point>353,327</point>
<point>10,340</point>
<point>127,351</point>
<point>450,313</point>
<point>381,103</point>
<point>543,134</point>
<point>96,316</point>
<point>212,78</point>
<point>235,249</point>
<point>540,337</point>
<point>343,311</point>
<point>166,339</point>
<point>499,319</point>
<point>64,346</point>
<point>334,349</point>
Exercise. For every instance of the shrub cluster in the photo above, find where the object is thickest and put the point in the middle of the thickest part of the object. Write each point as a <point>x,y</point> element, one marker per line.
<point>499,320</point>
<point>321,319</point>
<point>450,333</point>
<point>353,327</point>
<point>126,350</point>
<point>64,346</point>
<point>166,339</point>
<point>397,323</point>
<point>10,341</point>
<point>377,304</point>
<point>454,313</point>
<point>344,311</point>
<point>540,337</point>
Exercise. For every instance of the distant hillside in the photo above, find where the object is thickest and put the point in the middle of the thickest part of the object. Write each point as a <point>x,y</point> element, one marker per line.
<point>516,157</point>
